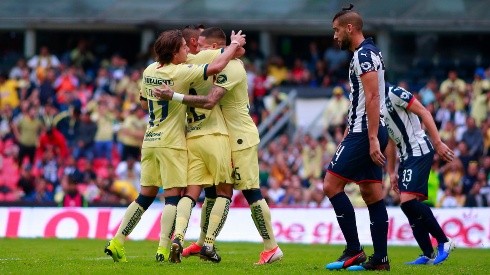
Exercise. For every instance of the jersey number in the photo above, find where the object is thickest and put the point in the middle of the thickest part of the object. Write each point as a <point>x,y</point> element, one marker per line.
<point>407,175</point>
<point>235,174</point>
<point>195,116</point>
<point>153,115</point>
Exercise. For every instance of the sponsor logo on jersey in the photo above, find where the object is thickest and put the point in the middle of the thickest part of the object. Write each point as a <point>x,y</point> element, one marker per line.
<point>157,81</point>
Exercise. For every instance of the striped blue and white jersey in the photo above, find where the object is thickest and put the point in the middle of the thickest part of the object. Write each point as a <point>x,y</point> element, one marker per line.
<point>366,58</point>
<point>404,127</point>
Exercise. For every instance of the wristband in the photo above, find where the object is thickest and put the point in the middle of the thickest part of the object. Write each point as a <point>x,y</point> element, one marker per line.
<point>178,97</point>
<point>235,42</point>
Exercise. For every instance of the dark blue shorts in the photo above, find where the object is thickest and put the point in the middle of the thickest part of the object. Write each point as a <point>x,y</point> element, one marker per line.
<point>413,174</point>
<point>352,161</point>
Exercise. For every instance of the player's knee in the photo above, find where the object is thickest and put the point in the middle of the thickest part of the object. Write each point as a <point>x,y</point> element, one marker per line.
<point>210,192</point>
<point>144,201</point>
<point>252,195</point>
<point>329,191</point>
<point>173,200</point>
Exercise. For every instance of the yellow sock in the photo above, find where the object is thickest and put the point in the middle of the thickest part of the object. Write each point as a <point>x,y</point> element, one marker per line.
<point>184,209</point>
<point>205,212</point>
<point>217,219</point>
<point>261,215</point>
<point>167,225</point>
<point>130,219</point>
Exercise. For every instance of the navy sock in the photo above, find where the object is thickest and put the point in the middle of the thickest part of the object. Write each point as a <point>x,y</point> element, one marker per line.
<point>379,228</point>
<point>430,223</point>
<point>420,233</point>
<point>347,220</point>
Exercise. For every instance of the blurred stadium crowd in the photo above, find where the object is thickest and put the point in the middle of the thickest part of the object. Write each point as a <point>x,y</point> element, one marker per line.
<point>71,128</point>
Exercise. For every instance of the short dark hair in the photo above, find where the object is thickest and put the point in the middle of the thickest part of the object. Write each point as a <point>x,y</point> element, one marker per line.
<point>191,31</point>
<point>168,43</point>
<point>349,16</point>
<point>214,33</point>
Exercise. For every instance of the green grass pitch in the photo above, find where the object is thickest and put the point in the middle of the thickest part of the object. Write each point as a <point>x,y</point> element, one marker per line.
<point>54,256</point>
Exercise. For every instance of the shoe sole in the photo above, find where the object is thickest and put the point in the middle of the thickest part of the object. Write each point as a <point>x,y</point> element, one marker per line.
<point>175,253</point>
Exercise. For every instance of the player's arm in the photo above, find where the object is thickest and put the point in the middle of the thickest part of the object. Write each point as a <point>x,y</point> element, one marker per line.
<point>390,152</point>
<point>198,101</point>
<point>220,62</point>
<point>441,148</point>
<point>144,103</point>
<point>370,83</point>
<point>205,102</point>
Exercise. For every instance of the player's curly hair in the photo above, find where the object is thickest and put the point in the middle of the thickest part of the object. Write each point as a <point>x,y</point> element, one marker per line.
<point>168,43</point>
<point>349,16</point>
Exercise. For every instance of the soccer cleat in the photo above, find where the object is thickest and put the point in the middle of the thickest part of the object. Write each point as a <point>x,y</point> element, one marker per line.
<point>208,253</point>
<point>422,260</point>
<point>348,258</point>
<point>270,256</point>
<point>192,250</point>
<point>372,264</point>
<point>162,254</point>
<point>443,250</point>
<point>175,252</point>
<point>114,249</point>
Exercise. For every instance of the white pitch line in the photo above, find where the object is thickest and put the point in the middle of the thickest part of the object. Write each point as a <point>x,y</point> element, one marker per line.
<point>10,259</point>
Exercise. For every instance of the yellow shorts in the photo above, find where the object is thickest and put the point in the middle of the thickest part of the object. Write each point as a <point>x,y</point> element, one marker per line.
<point>163,167</point>
<point>246,168</point>
<point>209,160</point>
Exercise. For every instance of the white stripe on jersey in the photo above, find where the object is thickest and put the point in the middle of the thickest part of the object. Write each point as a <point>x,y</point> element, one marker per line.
<point>404,127</point>
<point>366,58</point>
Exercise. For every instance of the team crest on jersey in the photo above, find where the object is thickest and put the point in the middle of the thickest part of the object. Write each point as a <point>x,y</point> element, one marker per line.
<point>366,66</point>
<point>221,79</point>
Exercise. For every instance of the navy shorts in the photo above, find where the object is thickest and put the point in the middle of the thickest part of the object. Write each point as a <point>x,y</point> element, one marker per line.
<point>413,174</point>
<point>352,161</point>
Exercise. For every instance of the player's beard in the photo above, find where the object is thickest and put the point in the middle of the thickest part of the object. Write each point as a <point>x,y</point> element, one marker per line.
<point>345,44</point>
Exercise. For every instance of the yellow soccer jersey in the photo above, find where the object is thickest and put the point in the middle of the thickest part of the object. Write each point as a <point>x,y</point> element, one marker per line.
<point>235,106</point>
<point>166,127</point>
<point>202,121</point>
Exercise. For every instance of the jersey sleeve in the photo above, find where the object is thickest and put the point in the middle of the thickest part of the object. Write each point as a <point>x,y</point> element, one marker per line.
<point>205,56</point>
<point>401,97</point>
<point>192,72</point>
<point>366,62</point>
<point>227,78</point>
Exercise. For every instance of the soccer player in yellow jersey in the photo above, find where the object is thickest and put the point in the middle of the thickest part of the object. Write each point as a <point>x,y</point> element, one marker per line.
<point>230,90</point>
<point>164,150</point>
<point>209,163</point>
